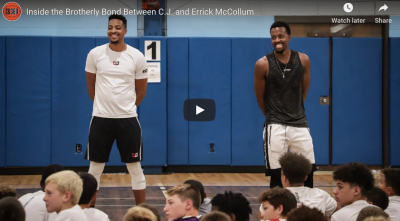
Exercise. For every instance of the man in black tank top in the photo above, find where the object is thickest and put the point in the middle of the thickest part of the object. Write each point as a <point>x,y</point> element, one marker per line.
<point>281,82</point>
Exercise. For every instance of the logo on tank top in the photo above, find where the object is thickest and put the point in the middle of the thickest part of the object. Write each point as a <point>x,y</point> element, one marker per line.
<point>134,155</point>
<point>115,62</point>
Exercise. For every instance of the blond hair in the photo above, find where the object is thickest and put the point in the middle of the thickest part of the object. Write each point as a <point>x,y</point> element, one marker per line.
<point>377,218</point>
<point>186,191</point>
<point>67,180</point>
<point>139,213</point>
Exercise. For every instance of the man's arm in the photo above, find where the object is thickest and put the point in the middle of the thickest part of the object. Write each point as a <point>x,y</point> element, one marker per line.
<point>141,87</point>
<point>260,73</point>
<point>306,77</point>
<point>91,82</point>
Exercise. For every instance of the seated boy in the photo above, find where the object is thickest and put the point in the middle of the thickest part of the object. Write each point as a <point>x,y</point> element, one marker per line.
<point>295,168</point>
<point>63,190</point>
<point>6,191</point>
<point>183,202</point>
<point>152,209</point>
<point>235,205</point>
<point>378,197</point>
<point>277,203</point>
<point>372,212</point>
<point>353,181</point>
<point>11,209</point>
<point>215,216</point>
<point>139,213</point>
<point>35,207</point>
<point>205,205</point>
<point>89,193</point>
<point>304,213</point>
<point>390,183</point>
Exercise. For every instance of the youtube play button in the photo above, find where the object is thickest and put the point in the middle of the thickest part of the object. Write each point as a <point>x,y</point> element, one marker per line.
<point>199,110</point>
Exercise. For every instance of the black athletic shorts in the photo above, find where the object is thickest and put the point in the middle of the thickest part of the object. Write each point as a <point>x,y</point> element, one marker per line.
<point>103,132</point>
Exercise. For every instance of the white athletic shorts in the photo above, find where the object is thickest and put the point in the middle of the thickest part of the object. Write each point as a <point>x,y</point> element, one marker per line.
<point>279,139</point>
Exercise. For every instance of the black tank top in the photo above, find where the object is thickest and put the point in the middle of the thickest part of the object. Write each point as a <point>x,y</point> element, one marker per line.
<point>284,95</point>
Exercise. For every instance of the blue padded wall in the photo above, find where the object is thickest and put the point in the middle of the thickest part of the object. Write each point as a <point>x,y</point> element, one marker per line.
<point>153,112</point>
<point>2,101</point>
<point>28,104</point>
<point>115,158</point>
<point>71,104</point>
<point>210,78</point>
<point>178,92</point>
<point>317,114</point>
<point>357,100</point>
<point>394,101</point>
<point>247,118</point>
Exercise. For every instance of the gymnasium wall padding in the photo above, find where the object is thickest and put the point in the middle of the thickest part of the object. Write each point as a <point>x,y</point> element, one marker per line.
<point>247,118</point>
<point>153,111</point>
<point>210,78</point>
<point>115,158</point>
<point>28,74</point>
<point>357,100</point>
<point>2,101</point>
<point>178,92</point>
<point>317,114</point>
<point>71,104</point>
<point>394,97</point>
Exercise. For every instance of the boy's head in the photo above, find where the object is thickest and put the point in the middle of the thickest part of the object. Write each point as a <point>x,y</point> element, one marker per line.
<point>152,209</point>
<point>89,188</point>
<point>295,168</point>
<point>215,216</point>
<point>138,213</point>
<point>378,197</point>
<point>199,186</point>
<point>6,191</point>
<point>233,204</point>
<point>390,181</point>
<point>372,212</point>
<point>11,209</point>
<point>47,171</point>
<point>182,200</point>
<point>305,213</point>
<point>277,203</point>
<point>63,189</point>
<point>353,181</point>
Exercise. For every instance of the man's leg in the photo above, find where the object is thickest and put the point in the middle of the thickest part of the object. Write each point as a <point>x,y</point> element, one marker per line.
<point>138,182</point>
<point>301,142</point>
<point>96,169</point>
<point>275,144</point>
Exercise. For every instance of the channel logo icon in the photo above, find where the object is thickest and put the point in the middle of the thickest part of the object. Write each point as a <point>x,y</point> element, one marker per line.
<point>199,110</point>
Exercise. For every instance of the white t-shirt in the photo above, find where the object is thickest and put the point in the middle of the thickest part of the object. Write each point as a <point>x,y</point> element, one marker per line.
<point>94,214</point>
<point>393,210</point>
<point>35,207</point>
<point>116,73</point>
<point>350,212</point>
<point>73,214</point>
<point>314,198</point>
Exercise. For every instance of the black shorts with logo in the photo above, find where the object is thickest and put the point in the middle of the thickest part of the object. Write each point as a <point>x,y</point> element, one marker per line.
<point>103,132</point>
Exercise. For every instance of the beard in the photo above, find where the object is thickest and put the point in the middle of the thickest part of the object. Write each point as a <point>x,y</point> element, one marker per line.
<point>279,52</point>
<point>114,42</point>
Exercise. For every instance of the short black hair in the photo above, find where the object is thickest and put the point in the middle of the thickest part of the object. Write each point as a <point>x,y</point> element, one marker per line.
<point>356,174</point>
<point>281,24</point>
<point>392,179</point>
<point>305,213</point>
<point>152,209</point>
<point>199,186</point>
<point>216,216</point>
<point>279,196</point>
<point>371,211</point>
<point>119,17</point>
<point>233,203</point>
<point>89,187</point>
<point>11,209</point>
<point>49,170</point>
<point>295,167</point>
<point>378,197</point>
